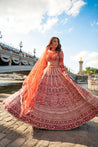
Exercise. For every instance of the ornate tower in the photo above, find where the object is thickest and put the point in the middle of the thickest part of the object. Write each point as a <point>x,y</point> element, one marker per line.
<point>80,66</point>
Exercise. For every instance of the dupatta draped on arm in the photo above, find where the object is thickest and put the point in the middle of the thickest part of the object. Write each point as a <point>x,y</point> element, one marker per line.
<point>30,84</point>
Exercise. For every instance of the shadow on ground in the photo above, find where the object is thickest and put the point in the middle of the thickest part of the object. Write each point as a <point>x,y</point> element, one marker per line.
<point>10,133</point>
<point>84,135</point>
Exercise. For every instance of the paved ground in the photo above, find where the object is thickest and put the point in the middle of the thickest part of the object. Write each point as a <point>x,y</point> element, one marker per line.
<point>14,133</point>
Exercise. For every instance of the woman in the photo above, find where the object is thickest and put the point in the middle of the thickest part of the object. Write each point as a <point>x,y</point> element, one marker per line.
<point>48,98</point>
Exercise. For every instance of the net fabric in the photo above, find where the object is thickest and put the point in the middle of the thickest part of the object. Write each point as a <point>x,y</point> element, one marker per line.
<point>30,84</point>
<point>61,64</point>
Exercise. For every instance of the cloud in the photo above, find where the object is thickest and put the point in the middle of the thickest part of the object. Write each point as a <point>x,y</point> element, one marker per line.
<point>94,23</point>
<point>64,21</point>
<point>48,24</point>
<point>89,58</point>
<point>75,9</point>
<point>92,63</point>
<point>24,16</point>
<point>70,29</point>
<point>58,32</point>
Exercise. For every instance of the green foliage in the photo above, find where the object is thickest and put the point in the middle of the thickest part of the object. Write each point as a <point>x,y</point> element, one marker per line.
<point>90,70</point>
<point>66,68</point>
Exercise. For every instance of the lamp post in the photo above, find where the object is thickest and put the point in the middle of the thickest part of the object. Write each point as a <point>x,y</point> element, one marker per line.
<point>20,45</point>
<point>0,35</point>
<point>34,51</point>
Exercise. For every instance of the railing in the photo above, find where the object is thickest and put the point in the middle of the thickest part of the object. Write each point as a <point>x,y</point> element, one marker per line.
<point>5,69</point>
<point>19,56</point>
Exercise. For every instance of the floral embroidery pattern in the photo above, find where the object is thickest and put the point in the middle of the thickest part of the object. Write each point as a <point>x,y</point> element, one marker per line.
<point>61,104</point>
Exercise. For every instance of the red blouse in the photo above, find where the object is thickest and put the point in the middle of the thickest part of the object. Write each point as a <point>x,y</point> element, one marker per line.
<point>55,56</point>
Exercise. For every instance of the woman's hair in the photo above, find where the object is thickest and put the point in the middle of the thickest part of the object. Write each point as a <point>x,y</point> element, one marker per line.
<point>59,45</point>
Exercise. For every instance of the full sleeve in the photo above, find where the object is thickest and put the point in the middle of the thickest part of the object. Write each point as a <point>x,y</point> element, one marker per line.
<point>61,64</point>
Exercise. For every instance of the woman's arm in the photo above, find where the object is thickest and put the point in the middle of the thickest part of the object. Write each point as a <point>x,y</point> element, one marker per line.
<point>61,63</point>
<point>61,58</point>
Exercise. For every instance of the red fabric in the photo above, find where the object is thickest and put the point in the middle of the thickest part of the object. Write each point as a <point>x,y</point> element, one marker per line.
<point>60,103</point>
<point>30,84</point>
<point>61,55</point>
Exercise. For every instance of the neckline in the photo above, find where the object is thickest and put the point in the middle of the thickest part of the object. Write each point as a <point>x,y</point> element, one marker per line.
<point>52,51</point>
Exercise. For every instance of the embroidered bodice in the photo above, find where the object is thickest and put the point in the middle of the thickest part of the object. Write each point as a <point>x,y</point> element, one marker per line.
<point>55,59</point>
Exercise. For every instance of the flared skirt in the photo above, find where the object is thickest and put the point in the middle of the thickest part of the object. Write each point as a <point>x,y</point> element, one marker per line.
<point>61,104</point>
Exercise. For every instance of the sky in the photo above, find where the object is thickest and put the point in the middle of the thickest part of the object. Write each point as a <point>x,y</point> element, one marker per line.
<point>34,22</point>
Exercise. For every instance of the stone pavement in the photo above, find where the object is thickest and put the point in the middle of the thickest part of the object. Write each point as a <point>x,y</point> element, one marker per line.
<point>15,133</point>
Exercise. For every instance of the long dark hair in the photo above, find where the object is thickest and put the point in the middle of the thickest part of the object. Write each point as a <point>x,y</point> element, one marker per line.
<point>59,45</point>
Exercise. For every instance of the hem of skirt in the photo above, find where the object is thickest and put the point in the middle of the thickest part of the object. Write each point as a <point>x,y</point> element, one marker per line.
<point>45,127</point>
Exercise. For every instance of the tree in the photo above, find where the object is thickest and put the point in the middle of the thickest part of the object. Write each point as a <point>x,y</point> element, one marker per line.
<point>66,68</point>
<point>90,70</point>
<point>95,71</point>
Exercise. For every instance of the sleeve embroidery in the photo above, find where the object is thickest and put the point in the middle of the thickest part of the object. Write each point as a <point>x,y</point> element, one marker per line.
<point>61,64</point>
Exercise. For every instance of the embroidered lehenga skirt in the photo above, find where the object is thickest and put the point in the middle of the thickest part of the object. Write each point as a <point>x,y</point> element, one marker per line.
<point>61,104</point>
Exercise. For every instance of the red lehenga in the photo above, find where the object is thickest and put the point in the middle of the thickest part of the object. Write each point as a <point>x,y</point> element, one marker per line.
<point>58,103</point>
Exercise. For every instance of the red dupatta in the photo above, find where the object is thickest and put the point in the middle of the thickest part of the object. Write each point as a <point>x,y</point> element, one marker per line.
<point>30,84</point>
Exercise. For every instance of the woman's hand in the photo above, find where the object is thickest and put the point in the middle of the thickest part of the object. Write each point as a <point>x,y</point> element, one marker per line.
<point>65,74</point>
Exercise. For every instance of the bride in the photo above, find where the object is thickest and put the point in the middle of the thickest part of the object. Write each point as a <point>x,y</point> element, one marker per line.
<point>48,98</point>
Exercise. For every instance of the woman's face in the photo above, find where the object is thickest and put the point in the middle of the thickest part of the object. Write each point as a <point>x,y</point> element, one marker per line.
<point>54,43</point>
